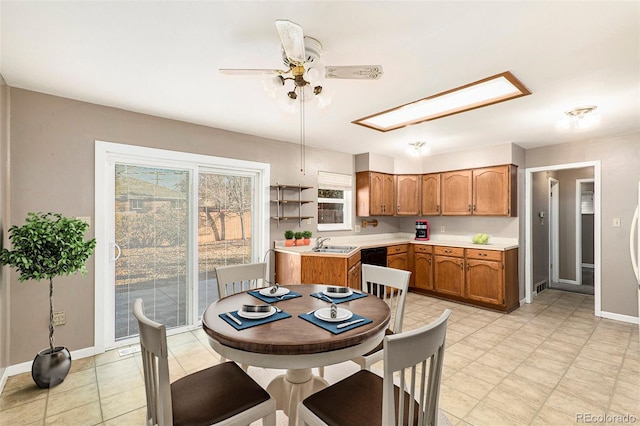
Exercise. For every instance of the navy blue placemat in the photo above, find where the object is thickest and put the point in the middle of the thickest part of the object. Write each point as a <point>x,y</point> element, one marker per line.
<point>271,299</point>
<point>333,326</point>
<point>337,300</point>
<point>248,323</point>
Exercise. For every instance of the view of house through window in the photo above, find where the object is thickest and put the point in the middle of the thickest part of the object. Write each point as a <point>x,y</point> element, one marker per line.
<point>152,230</point>
<point>334,201</point>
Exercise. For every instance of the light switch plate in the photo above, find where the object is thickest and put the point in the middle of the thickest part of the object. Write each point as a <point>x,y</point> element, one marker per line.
<point>616,222</point>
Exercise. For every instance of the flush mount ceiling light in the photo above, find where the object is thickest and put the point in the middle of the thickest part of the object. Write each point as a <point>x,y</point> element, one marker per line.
<point>417,149</point>
<point>579,118</point>
<point>488,91</point>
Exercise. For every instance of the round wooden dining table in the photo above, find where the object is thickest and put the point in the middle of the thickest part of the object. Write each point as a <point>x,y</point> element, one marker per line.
<point>293,343</point>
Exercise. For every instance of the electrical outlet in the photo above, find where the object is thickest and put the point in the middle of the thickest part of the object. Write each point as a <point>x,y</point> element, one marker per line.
<point>308,221</point>
<point>441,228</point>
<point>616,222</point>
<point>357,229</point>
<point>59,318</point>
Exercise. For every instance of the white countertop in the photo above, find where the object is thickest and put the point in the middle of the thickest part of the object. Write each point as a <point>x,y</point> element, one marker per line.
<point>380,240</point>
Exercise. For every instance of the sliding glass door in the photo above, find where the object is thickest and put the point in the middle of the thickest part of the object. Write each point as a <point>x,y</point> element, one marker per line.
<point>164,222</point>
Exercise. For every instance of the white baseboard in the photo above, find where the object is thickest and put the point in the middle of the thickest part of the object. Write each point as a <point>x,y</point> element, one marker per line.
<point>619,317</point>
<point>523,301</point>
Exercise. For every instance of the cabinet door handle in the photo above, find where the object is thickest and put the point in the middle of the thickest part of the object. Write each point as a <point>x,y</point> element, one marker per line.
<point>469,208</point>
<point>398,207</point>
<point>482,254</point>
<point>474,207</point>
<point>438,208</point>
<point>461,267</point>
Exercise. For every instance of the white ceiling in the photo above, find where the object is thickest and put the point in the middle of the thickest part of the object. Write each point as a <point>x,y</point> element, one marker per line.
<point>162,58</point>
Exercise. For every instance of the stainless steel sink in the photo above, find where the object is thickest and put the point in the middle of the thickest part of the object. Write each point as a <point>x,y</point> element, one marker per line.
<point>333,249</point>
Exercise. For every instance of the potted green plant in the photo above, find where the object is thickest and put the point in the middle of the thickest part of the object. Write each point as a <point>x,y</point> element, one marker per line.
<point>298,236</point>
<point>288,238</point>
<point>306,235</point>
<point>48,245</point>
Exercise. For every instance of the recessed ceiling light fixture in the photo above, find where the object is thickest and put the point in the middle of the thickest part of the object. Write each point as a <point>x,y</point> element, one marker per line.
<point>580,118</point>
<point>488,91</point>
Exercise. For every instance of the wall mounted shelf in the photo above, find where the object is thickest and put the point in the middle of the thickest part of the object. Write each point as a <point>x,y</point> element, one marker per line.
<point>288,201</point>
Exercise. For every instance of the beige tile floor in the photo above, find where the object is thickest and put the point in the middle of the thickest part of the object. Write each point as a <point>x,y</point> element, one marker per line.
<point>548,363</point>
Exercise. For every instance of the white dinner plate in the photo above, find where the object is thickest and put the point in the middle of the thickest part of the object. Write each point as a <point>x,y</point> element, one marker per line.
<point>337,295</point>
<point>256,315</point>
<point>325,314</point>
<point>280,292</point>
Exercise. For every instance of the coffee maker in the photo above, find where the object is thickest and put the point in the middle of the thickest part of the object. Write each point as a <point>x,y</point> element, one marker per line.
<point>422,230</point>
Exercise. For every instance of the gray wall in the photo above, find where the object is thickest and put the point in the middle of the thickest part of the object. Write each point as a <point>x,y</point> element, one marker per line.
<point>52,158</point>
<point>619,158</point>
<point>567,225</point>
<point>4,207</point>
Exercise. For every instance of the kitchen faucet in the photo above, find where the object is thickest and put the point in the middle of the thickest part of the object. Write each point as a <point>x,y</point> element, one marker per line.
<point>320,242</point>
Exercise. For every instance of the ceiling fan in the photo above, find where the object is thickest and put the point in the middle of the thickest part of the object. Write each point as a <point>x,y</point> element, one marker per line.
<point>301,54</point>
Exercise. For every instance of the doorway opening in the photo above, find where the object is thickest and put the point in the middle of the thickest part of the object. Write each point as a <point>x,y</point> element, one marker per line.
<point>555,248</point>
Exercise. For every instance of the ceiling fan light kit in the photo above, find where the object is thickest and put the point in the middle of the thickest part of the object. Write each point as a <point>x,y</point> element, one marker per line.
<point>301,54</point>
<point>417,149</point>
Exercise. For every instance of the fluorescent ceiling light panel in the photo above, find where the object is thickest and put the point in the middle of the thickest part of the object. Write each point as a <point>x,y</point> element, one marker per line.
<point>498,88</point>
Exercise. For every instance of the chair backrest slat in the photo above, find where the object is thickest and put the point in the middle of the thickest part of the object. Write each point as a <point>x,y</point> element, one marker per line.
<point>390,285</point>
<point>409,351</point>
<point>153,347</point>
<point>236,278</point>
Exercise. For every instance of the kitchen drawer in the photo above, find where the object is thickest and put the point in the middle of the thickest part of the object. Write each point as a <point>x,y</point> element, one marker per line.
<point>484,254</point>
<point>422,248</point>
<point>449,251</point>
<point>400,248</point>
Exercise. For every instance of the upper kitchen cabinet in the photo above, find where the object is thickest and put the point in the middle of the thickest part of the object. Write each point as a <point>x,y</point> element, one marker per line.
<point>407,195</point>
<point>430,194</point>
<point>374,194</point>
<point>494,191</point>
<point>456,193</point>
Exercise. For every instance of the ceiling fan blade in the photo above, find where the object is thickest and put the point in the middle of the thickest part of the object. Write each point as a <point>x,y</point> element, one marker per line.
<point>358,72</point>
<point>240,71</point>
<point>292,39</point>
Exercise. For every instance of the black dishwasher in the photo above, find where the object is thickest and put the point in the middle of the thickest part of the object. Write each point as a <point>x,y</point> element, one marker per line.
<point>374,256</point>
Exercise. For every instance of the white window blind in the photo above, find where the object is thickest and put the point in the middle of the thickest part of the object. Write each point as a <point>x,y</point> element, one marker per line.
<point>328,180</point>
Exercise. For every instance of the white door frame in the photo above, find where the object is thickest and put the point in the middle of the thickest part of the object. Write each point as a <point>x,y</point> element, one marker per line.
<point>554,231</point>
<point>579,183</point>
<point>106,153</point>
<point>528,287</point>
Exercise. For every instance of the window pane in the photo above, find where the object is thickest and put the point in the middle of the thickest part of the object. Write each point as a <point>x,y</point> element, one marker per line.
<point>152,235</point>
<point>331,193</point>
<point>224,228</point>
<point>330,213</point>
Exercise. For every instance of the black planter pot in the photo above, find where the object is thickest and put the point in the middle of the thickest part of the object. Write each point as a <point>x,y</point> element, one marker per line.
<point>50,368</point>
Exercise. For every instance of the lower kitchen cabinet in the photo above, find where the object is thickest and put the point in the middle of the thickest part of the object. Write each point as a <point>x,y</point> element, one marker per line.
<point>487,278</point>
<point>316,269</point>
<point>397,257</point>
<point>354,275</point>
<point>422,267</point>
<point>448,271</point>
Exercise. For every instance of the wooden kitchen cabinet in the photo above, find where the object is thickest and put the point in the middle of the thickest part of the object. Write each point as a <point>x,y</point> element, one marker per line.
<point>374,194</point>
<point>456,195</point>
<point>494,191</point>
<point>293,268</point>
<point>448,270</point>
<point>407,195</point>
<point>422,267</point>
<point>397,257</point>
<point>430,195</point>
<point>491,278</point>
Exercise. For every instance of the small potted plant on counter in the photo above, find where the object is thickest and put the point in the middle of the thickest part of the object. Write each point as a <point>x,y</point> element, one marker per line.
<point>306,235</point>
<point>288,238</point>
<point>298,236</point>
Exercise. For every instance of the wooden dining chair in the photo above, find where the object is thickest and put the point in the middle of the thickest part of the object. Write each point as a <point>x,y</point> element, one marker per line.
<point>391,285</point>
<point>236,278</point>
<point>365,398</point>
<point>219,395</point>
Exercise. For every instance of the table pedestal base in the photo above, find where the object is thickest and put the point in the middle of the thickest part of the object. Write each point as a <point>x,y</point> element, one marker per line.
<point>291,388</point>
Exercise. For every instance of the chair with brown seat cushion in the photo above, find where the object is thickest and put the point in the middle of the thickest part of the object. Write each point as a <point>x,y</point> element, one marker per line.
<point>365,398</point>
<point>219,395</point>
<point>391,285</point>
